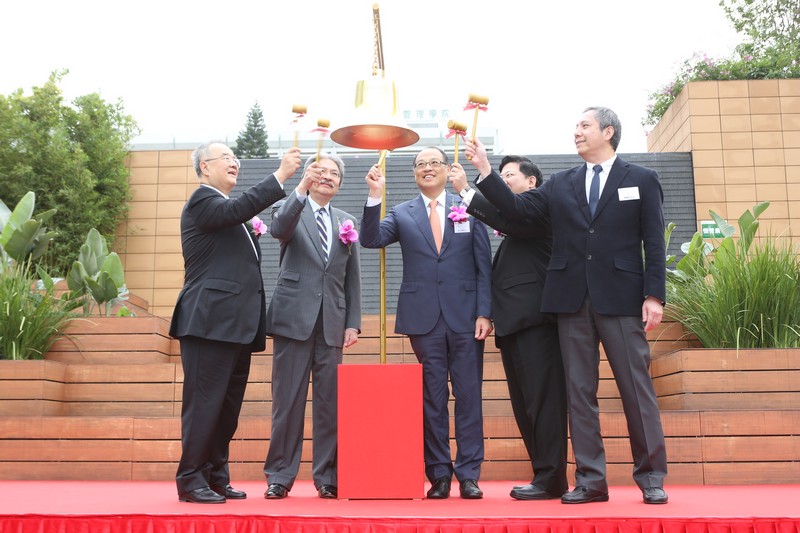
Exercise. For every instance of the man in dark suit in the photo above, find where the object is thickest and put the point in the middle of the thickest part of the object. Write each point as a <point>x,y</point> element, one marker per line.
<point>603,214</point>
<point>444,307</point>
<point>314,312</point>
<point>219,316</point>
<point>527,338</point>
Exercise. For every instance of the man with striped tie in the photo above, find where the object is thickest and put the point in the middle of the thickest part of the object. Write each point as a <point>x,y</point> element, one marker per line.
<point>315,311</point>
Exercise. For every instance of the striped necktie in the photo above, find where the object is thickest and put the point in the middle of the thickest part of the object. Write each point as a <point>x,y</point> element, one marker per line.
<point>323,232</point>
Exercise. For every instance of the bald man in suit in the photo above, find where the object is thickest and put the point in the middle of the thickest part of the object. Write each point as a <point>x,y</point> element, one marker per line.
<point>220,315</point>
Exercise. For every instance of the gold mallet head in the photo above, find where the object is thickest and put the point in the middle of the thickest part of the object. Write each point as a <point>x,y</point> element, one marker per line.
<point>456,126</point>
<point>299,109</point>
<point>323,123</point>
<point>478,99</point>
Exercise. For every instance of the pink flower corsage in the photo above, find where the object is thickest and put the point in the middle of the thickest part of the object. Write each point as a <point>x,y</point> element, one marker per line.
<point>259,228</point>
<point>499,234</point>
<point>348,233</point>
<point>458,213</point>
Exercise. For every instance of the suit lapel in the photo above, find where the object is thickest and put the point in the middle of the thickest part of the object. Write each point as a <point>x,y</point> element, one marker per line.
<point>578,179</point>
<point>618,171</point>
<point>255,243</point>
<point>310,224</point>
<point>419,213</point>
<point>337,217</point>
<point>449,225</point>
<point>500,250</point>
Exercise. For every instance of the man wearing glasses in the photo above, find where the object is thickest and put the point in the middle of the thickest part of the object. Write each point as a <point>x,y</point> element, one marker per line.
<point>444,307</point>
<point>220,315</point>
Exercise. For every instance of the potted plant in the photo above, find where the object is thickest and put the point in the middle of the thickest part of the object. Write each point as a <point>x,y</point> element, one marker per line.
<point>741,300</point>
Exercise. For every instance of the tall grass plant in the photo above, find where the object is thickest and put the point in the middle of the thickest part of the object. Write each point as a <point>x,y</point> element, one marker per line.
<point>32,315</point>
<point>742,293</point>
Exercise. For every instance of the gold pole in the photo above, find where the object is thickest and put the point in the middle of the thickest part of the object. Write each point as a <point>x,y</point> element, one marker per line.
<point>382,256</point>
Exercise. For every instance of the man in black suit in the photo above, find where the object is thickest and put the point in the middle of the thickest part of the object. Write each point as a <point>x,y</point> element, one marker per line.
<point>603,214</point>
<point>220,315</point>
<point>527,338</point>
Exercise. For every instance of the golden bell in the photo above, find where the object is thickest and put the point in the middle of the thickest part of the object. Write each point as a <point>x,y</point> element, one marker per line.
<point>375,124</point>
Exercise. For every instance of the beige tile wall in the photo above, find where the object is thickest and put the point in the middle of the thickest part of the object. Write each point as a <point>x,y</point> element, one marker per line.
<point>744,137</point>
<point>149,243</point>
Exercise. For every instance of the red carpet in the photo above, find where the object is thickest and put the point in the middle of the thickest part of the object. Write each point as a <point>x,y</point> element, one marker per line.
<point>132,507</point>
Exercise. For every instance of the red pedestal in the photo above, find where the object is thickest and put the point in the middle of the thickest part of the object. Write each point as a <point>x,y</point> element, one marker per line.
<point>380,432</point>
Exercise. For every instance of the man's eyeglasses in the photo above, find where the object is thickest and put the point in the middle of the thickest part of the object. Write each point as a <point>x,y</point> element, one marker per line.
<point>419,165</point>
<point>226,158</point>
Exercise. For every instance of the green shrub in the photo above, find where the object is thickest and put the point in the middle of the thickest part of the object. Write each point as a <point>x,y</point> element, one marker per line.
<point>73,156</point>
<point>771,63</point>
<point>741,294</point>
<point>31,318</point>
<point>32,315</point>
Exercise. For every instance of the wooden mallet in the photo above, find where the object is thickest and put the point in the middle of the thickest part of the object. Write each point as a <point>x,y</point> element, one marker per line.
<point>299,112</point>
<point>478,103</point>
<point>322,127</point>
<point>458,129</point>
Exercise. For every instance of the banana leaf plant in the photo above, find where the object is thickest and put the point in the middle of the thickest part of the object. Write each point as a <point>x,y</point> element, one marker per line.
<point>98,275</point>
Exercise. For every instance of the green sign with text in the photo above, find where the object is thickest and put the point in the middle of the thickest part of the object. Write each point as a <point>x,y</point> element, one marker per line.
<point>710,230</point>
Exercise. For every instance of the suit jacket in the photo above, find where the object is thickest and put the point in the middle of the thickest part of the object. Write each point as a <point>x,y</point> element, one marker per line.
<point>518,270</point>
<point>306,281</point>
<point>600,254</point>
<point>223,294</point>
<point>455,282</point>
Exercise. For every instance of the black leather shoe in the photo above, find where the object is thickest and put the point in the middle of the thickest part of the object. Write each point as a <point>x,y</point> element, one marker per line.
<point>230,493</point>
<point>201,495</point>
<point>328,491</point>
<point>469,490</point>
<point>276,491</point>
<point>654,495</point>
<point>440,489</point>
<point>532,492</point>
<point>584,495</point>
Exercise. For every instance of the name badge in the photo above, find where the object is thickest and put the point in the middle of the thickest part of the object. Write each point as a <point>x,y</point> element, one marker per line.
<point>628,193</point>
<point>461,227</point>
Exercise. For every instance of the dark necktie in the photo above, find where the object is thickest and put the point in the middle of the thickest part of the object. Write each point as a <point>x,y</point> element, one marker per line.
<point>594,189</point>
<point>323,233</point>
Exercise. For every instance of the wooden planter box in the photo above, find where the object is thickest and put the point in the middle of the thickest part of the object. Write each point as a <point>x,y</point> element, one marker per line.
<point>709,379</point>
<point>34,388</point>
<point>116,340</point>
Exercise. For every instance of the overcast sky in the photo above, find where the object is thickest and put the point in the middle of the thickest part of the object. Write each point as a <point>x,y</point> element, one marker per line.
<point>190,71</point>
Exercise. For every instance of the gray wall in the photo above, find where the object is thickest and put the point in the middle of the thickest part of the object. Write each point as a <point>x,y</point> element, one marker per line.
<point>675,170</point>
